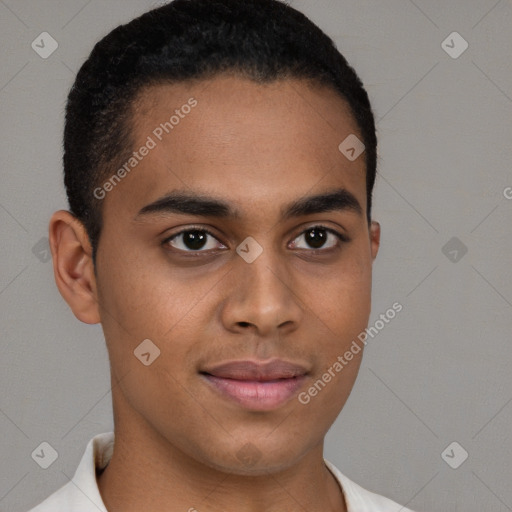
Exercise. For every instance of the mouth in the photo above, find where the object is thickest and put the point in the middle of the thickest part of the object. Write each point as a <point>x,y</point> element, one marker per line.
<point>254,385</point>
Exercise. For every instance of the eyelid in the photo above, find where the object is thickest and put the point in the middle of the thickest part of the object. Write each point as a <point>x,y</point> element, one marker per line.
<point>343,238</point>
<point>186,230</point>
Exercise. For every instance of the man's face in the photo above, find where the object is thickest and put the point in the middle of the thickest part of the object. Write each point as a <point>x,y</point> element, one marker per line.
<point>303,300</point>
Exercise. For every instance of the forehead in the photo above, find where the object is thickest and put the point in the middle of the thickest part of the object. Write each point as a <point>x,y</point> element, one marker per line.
<point>245,141</point>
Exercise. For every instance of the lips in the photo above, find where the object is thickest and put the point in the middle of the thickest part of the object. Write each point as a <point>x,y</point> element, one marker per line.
<point>254,371</point>
<point>256,386</point>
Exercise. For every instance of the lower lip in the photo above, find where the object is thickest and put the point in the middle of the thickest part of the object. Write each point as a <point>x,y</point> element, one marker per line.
<point>257,395</point>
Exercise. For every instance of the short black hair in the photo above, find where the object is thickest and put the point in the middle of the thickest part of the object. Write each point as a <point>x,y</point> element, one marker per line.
<point>263,40</point>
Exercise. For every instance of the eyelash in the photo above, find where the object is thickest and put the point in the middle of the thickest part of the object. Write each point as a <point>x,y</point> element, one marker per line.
<point>340,236</point>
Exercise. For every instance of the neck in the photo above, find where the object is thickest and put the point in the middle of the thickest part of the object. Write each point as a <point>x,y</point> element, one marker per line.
<point>143,474</point>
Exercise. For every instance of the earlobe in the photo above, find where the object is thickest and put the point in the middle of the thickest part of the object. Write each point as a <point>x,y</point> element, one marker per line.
<point>374,238</point>
<point>73,266</point>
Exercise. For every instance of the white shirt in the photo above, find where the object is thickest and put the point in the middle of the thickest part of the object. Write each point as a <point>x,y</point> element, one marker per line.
<point>81,494</point>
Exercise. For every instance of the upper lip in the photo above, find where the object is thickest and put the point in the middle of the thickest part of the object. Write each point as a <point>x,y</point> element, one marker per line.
<point>258,371</point>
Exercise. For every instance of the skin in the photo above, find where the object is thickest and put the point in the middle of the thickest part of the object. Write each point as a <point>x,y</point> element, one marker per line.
<point>257,147</point>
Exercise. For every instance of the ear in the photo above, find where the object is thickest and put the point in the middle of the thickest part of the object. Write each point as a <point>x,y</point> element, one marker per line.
<point>374,238</point>
<point>73,266</point>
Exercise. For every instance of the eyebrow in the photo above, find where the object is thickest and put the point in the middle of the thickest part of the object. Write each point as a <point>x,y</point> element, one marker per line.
<point>186,203</point>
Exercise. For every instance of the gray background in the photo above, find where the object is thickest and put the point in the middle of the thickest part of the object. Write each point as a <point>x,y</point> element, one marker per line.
<point>437,373</point>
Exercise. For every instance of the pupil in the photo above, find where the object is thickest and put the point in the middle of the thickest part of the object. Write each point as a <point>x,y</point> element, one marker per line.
<point>195,239</point>
<point>316,237</point>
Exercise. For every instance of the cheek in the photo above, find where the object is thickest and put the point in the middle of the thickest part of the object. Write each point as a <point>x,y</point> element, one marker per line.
<point>157,304</point>
<point>342,311</point>
<point>142,302</point>
<point>342,308</point>
<point>343,301</point>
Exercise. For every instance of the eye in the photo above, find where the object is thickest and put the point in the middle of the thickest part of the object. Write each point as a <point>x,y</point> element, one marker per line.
<point>197,240</point>
<point>319,237</point>
<point>194,240</point>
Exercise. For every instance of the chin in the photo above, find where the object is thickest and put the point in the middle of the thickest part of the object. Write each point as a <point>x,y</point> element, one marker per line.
<point>256,457</point>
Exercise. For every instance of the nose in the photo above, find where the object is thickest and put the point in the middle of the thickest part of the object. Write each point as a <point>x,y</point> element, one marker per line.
<point>261,298</point>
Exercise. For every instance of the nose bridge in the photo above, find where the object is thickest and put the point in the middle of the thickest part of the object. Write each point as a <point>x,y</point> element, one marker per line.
<point>266,283</point>
<point>264,296</point>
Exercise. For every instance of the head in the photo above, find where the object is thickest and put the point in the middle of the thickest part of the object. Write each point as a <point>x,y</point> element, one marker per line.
<point>213,212</point>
